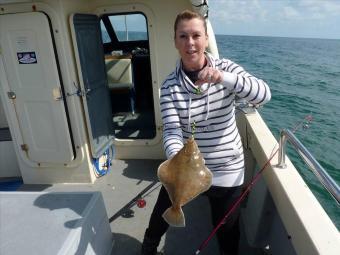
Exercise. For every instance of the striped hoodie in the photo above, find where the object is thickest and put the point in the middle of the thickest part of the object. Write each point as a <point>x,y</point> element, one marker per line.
<point>212,110</point>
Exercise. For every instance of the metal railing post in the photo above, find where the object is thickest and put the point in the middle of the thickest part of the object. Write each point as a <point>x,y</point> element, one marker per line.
<point>282,150</point>
<point>327,181</point>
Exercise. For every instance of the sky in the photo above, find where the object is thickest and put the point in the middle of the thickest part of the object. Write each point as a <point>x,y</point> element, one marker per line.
<point>287,18</point>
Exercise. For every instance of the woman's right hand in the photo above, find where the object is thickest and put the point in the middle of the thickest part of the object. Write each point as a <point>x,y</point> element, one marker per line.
<point>209,75</point>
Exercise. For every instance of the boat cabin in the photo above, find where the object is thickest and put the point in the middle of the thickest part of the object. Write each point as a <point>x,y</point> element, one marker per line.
<point>79,111</point>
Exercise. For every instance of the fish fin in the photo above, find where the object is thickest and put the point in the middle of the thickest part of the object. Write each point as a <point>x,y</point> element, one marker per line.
<point>163,174</point>
<point>174,217</point>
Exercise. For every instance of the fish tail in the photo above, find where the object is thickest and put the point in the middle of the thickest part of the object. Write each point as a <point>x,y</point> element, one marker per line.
<point>174,217</point>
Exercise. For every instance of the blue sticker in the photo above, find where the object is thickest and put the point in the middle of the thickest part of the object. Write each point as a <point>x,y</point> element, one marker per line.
<point>27,57</point>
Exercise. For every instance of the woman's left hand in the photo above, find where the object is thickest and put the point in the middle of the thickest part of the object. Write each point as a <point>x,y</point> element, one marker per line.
<point>209,75</point>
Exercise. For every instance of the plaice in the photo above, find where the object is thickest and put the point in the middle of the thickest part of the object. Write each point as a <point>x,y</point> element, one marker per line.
<point>184,176</point>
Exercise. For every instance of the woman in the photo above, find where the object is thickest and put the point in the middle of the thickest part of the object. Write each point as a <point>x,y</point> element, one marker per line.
<point>201,91</point>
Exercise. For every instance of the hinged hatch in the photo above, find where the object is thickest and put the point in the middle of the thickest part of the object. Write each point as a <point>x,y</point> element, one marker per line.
<point>88,46</point>
<point>29,75</point>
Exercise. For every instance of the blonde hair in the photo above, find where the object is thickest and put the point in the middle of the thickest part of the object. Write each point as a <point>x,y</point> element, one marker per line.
<point>188,15</point>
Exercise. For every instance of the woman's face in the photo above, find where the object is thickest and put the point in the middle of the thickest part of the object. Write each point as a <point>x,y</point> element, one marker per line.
<point>191,42</point>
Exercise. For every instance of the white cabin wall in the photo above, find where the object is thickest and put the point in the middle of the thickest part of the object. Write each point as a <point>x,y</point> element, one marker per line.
<point>80,169</point>
<point>161,16</point>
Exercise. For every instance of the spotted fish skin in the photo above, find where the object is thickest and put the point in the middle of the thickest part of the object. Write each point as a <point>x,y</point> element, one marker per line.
<point>184,176</point>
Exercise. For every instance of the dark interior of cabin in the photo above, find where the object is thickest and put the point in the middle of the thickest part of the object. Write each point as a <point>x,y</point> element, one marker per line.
<point>127,60</point>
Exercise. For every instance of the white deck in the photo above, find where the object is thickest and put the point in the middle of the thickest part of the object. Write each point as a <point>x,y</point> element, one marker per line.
<point>119,187</point>
<point>53,223</point>
<point>298,232</point>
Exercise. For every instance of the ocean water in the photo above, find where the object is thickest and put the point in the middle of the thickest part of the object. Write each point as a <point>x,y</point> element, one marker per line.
<point>304,77</point>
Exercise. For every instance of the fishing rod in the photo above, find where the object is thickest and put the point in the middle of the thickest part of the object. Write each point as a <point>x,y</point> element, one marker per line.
<point>304,124</point>
<point>139,200</point>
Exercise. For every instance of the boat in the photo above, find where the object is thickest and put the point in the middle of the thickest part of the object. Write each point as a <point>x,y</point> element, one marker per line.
<point>81,138</point>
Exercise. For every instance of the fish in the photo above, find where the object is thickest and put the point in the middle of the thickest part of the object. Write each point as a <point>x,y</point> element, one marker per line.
<point>184,177</point>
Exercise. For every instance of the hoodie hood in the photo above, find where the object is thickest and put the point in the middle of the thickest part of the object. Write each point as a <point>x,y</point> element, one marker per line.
<point>192,90</point>
<point>187,84</point>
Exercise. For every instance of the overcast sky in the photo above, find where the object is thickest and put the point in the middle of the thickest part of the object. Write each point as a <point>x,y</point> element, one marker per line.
<point>288,18</point>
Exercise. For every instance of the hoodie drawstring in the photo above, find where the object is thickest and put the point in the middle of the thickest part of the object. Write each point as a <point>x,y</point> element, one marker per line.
<point>208,102</point>
<point>189,113</point>
<point>191,89</point>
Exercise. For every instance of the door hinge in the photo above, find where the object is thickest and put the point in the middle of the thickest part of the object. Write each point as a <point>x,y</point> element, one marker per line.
<point>24,147</point>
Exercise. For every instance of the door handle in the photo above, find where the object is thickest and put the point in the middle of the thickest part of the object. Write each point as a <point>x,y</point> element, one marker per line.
<point>57,96</point>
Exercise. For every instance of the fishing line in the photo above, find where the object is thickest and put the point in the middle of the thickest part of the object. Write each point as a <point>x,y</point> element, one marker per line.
<point>303,124</point>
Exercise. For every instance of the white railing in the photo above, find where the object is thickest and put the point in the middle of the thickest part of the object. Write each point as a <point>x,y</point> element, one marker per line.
<point>327,181</point>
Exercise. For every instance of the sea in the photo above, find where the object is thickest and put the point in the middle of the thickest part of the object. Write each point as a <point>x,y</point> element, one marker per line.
<point>304,78</point>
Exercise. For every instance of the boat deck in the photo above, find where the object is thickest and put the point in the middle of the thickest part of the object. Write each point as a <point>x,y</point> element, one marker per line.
<point>119,187</point>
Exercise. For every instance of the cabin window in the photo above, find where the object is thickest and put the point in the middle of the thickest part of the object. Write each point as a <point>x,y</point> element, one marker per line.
<point>127,60</point>
<point>105,35</point>
<point>131,27</point>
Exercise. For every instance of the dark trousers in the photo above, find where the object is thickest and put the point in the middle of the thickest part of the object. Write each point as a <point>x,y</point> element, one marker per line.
<point>220,198</point>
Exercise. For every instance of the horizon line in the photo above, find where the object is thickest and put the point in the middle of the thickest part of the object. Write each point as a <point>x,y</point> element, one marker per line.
<point>319,38</point>
<point>279,36</point>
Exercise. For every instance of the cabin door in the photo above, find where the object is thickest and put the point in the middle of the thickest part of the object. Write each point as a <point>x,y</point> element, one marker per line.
<point>33,87</point>
<point>93,81</point>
